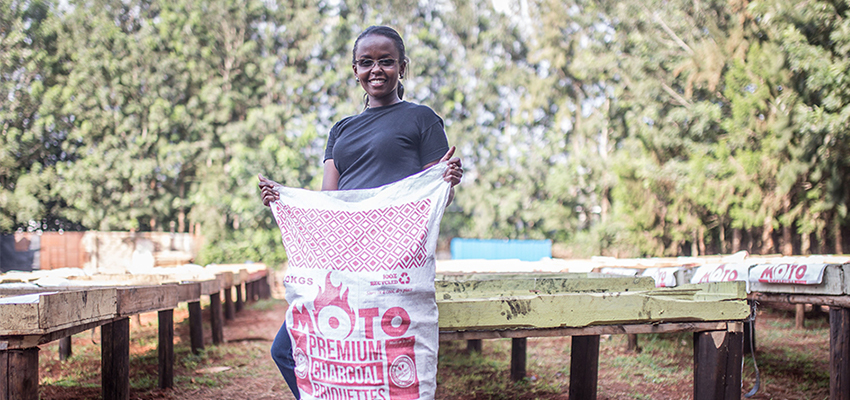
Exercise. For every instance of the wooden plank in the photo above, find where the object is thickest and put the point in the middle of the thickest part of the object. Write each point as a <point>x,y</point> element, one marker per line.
<point>839,353</point>
<point>491,285</point>
<point>139,299</point>
<point>115,360</point>
<point>256,275</point>
<point>57,311</point>
<point>126,279</point>
<point>669,327</point>
<point>19,374</point>
<point>208,282</point>
<point>518,358</point>
<point>64,309</point>
<point>210,286</point>
<point>584,367</point>
<point>165,348</point>
<point>18,318</point>
<point>188,292</point>
<point>821,300</point>
<point>27,341</point>
<point>226,279</point>
<point>583,309</point>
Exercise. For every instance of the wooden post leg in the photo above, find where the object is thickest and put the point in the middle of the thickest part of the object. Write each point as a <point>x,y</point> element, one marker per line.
<point>473,345</point>
<point>584,367</point>
<point>717,364</point>
<point>229,308</point>
<point>115,359</point>
<point>19,374</point>
<point>839,353</point>
<point>518,351</point>
<point>734,362</point>
<point>165,349</point>
<point>196,327</point>
<point>65,348</point>
<point>633,345</point>
<point>800,316</point>
<point>216,319</point>
<point>239,302</point>
<point>267,289</point>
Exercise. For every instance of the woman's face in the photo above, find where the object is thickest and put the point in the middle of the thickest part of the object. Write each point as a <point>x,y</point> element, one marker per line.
<point>380,79</point>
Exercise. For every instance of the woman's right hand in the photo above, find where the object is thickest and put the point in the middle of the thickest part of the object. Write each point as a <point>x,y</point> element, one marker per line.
<point>267,192</point>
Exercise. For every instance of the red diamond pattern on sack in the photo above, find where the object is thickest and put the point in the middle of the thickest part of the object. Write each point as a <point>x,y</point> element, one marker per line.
<point>375,240</point>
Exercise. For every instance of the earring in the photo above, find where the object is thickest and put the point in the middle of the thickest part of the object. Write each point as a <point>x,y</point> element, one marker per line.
<point>400,76</point>
<point>356,79</point>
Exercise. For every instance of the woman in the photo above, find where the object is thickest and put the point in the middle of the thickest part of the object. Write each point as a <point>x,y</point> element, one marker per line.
<point>389,141</point>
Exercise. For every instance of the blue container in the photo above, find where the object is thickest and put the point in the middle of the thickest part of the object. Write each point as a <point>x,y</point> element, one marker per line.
<point>500,249</point>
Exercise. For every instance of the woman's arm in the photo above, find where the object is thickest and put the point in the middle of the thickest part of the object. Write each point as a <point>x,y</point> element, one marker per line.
<point>453,173</point>
<point>330,178</point>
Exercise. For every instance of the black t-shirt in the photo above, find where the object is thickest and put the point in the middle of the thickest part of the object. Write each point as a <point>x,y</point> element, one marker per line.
<point>382,145</point>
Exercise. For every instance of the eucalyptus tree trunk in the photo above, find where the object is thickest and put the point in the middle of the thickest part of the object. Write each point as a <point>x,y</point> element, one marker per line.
<point>767,245</point>
<point>786,245</point>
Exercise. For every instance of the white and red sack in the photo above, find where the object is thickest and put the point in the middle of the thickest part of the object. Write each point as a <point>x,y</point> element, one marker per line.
<point>360,285</point>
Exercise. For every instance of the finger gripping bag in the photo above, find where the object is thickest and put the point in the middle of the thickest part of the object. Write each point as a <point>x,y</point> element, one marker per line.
<point>360,286</point>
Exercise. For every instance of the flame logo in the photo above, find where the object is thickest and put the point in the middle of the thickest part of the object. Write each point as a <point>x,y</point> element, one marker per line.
<point>332,312</point>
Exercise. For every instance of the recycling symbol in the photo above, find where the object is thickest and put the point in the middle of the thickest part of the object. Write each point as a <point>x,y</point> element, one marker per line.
<point>404,279</point>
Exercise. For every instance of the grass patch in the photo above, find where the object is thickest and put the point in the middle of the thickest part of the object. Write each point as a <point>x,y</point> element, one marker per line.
<point>264,304</point>
<point>486,375</point>
<point>657,362</point>
<point>143,382</point>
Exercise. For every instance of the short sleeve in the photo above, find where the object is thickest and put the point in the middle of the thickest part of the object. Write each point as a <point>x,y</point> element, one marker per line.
<point>433,144</point>
<point>329,148</point>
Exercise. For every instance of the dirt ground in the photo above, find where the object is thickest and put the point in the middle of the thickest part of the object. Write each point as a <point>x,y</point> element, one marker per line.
<point>793,363</point>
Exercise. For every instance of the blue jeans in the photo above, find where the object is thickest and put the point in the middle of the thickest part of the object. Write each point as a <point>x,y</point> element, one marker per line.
<point>282,356</point>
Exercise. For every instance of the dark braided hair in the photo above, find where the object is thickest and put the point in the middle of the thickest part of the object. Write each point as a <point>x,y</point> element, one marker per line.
<point>391,34</point>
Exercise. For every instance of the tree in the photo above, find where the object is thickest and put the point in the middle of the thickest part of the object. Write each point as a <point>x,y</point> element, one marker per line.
<point>30,140</point>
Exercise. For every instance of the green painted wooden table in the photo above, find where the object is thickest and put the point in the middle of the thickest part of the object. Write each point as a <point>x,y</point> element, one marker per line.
<point>584,306</point>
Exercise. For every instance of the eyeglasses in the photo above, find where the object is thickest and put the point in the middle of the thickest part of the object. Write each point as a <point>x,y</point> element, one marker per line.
<point>369,63</point>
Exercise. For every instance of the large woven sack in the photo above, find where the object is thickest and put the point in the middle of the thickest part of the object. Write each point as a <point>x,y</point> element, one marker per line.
<point>360,285</point>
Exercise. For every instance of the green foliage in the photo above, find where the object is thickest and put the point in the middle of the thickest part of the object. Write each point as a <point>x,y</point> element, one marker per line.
<point>614,128</point>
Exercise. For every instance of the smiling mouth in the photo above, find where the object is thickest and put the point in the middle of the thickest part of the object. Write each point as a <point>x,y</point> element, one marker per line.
<point>377,81</point>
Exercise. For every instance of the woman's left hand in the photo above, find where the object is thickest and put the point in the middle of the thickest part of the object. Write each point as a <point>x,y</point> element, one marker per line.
<point>267,192</point>
<point>454,172</point>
